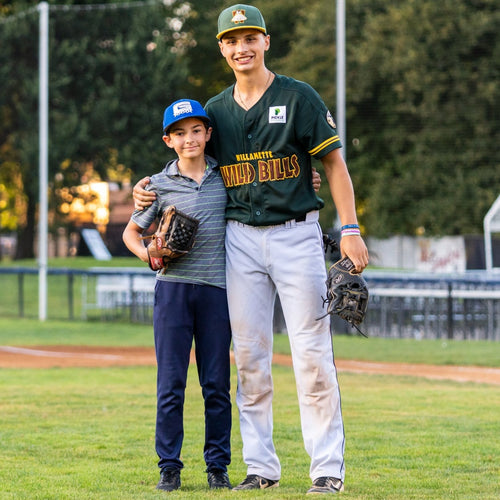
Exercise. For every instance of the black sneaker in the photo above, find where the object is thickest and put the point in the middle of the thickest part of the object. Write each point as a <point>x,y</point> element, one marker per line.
<point>254,482</point>
<point>326,485</point>
<point>218,480</point>
<point>170,480</point>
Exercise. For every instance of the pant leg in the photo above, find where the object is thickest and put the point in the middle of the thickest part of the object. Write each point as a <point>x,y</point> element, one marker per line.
<point>173,332</point>
<point>299,271</point>
<point>251,296</point>
<point>212,345</point>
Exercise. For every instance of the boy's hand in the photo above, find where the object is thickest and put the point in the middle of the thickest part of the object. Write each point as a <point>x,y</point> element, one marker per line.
<point>143,198</point>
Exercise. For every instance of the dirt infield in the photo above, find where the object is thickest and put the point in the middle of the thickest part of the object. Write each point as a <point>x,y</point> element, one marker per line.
<point>91,356</point>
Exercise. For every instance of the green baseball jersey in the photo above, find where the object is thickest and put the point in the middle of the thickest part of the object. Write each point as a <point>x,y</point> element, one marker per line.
<point>265,153</point>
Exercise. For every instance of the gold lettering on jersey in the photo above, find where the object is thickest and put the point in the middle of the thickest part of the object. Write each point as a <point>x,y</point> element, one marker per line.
<point>291,166</point>
<point>276,169</point>
<point>259,155</point>
<point>237,174</point>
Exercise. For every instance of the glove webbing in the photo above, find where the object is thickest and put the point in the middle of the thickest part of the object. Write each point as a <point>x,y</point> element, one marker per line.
<point>181,232</point>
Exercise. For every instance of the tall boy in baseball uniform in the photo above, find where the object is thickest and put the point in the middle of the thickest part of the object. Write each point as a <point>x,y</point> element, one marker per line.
<point>266,129</point>
<point>190,297</point>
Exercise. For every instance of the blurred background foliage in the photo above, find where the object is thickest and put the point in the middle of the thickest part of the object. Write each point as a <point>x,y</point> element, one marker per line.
<point>422,94</point>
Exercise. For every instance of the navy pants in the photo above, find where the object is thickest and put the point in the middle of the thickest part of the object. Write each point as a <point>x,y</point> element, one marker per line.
<point>183,312</point>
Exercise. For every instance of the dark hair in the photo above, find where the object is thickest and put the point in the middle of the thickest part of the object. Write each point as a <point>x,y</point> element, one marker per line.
<point>204,120</point>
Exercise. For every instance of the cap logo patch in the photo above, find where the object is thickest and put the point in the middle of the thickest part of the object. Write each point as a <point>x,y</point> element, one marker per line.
<point>182,108</point>
<point>238,16</point>
<point>277,114</point>
<point>329,119</point>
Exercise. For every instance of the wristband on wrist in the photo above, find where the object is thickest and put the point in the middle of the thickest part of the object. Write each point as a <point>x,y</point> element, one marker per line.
<point>350,232</point>
<point>349,226</point>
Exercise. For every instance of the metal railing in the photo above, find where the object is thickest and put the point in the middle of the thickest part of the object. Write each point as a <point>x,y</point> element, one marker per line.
<point>465,307</point>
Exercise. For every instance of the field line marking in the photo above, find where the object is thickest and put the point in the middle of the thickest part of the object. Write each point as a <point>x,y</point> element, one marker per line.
<point>55,354</point>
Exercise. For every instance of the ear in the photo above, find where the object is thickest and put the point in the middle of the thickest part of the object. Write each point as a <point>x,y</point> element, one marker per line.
<point>268,42</point>
<point>209,133</point>
<point>221,48</point>
<point>168,141</point>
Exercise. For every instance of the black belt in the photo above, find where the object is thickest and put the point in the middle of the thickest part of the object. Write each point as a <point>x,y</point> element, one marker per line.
<point>301,218</point>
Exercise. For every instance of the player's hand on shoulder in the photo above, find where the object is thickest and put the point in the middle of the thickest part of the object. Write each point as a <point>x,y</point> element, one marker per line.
<point>143,198</point>
<point>354,247</point>
<point>316,180</point>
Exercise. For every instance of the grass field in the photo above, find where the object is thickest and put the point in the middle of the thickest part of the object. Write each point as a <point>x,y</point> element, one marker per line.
<point>27,332</point>
<point>89,433</point>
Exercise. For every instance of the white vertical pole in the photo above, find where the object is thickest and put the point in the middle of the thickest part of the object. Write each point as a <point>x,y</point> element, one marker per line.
<point>341,74</point>
<point>340,111</point>
<point>488,257</point>
<point>43,108</point>
<point>490,226</point>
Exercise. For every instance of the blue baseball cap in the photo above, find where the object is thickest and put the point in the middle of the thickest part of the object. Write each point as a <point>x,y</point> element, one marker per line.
<point>183,108</point>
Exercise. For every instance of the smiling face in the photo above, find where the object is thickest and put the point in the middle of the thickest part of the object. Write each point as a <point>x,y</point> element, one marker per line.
<point>244,49</point>
<point>188,138</point>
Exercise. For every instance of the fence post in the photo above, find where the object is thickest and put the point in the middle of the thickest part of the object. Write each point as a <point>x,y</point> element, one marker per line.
<point>70,295</point>
<point>450,312</point>
<point>133,305</point>
<point>20,293</point>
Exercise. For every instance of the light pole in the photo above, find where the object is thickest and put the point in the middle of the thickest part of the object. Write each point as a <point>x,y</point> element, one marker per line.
<point>43,109</point>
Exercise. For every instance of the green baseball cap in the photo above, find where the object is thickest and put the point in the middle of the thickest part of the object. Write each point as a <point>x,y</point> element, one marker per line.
<point>240,16</point>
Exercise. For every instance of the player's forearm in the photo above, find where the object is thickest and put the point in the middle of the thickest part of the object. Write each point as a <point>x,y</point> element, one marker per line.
<point>343,197</point>
<point>342,193</point>
<point>133,241</point>
<point>341,187</point>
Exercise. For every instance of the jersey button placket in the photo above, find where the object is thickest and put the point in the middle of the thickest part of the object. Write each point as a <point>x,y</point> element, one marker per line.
<point>254,191</point>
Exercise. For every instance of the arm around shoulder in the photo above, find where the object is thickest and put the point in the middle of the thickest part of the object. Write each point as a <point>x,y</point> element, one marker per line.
<point>142,197</point>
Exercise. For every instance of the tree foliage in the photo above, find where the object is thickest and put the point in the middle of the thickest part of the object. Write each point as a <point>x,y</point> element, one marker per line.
<point>112,72</point>
<point>422,96</point>
<point>423,106</point>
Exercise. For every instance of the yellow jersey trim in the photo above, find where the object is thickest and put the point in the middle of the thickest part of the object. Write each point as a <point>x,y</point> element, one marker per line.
<point>324,144</point>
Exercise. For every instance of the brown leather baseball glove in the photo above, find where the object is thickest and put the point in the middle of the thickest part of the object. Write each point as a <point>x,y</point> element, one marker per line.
<point>174,238</point>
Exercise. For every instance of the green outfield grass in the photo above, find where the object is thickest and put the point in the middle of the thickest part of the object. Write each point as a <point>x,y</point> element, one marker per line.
<point>76,262</point>
<point>33,332</point>
<point>89,433</point>
<point>59,288</point>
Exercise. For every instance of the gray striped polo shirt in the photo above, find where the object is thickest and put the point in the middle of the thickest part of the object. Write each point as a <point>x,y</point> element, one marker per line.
<point>205,263</point>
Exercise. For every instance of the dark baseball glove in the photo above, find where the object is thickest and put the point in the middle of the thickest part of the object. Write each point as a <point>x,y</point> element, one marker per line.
<point>346,293</point>
<point>173,238</point>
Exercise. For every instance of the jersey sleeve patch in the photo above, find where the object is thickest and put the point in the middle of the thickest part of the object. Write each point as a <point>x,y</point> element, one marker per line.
<point>330,120</point>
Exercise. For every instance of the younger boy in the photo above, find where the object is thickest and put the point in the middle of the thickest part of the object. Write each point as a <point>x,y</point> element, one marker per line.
<point>190,297</point>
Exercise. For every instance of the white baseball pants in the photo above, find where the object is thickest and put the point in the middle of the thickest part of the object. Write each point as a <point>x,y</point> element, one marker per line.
<point>287,259</point>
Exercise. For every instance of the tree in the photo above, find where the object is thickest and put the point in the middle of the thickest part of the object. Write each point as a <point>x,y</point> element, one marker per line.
<point>423,91</point>
<point>112,72</point>
<point>422,97</point>
<point>422,107</point>
<point>18,116</point>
